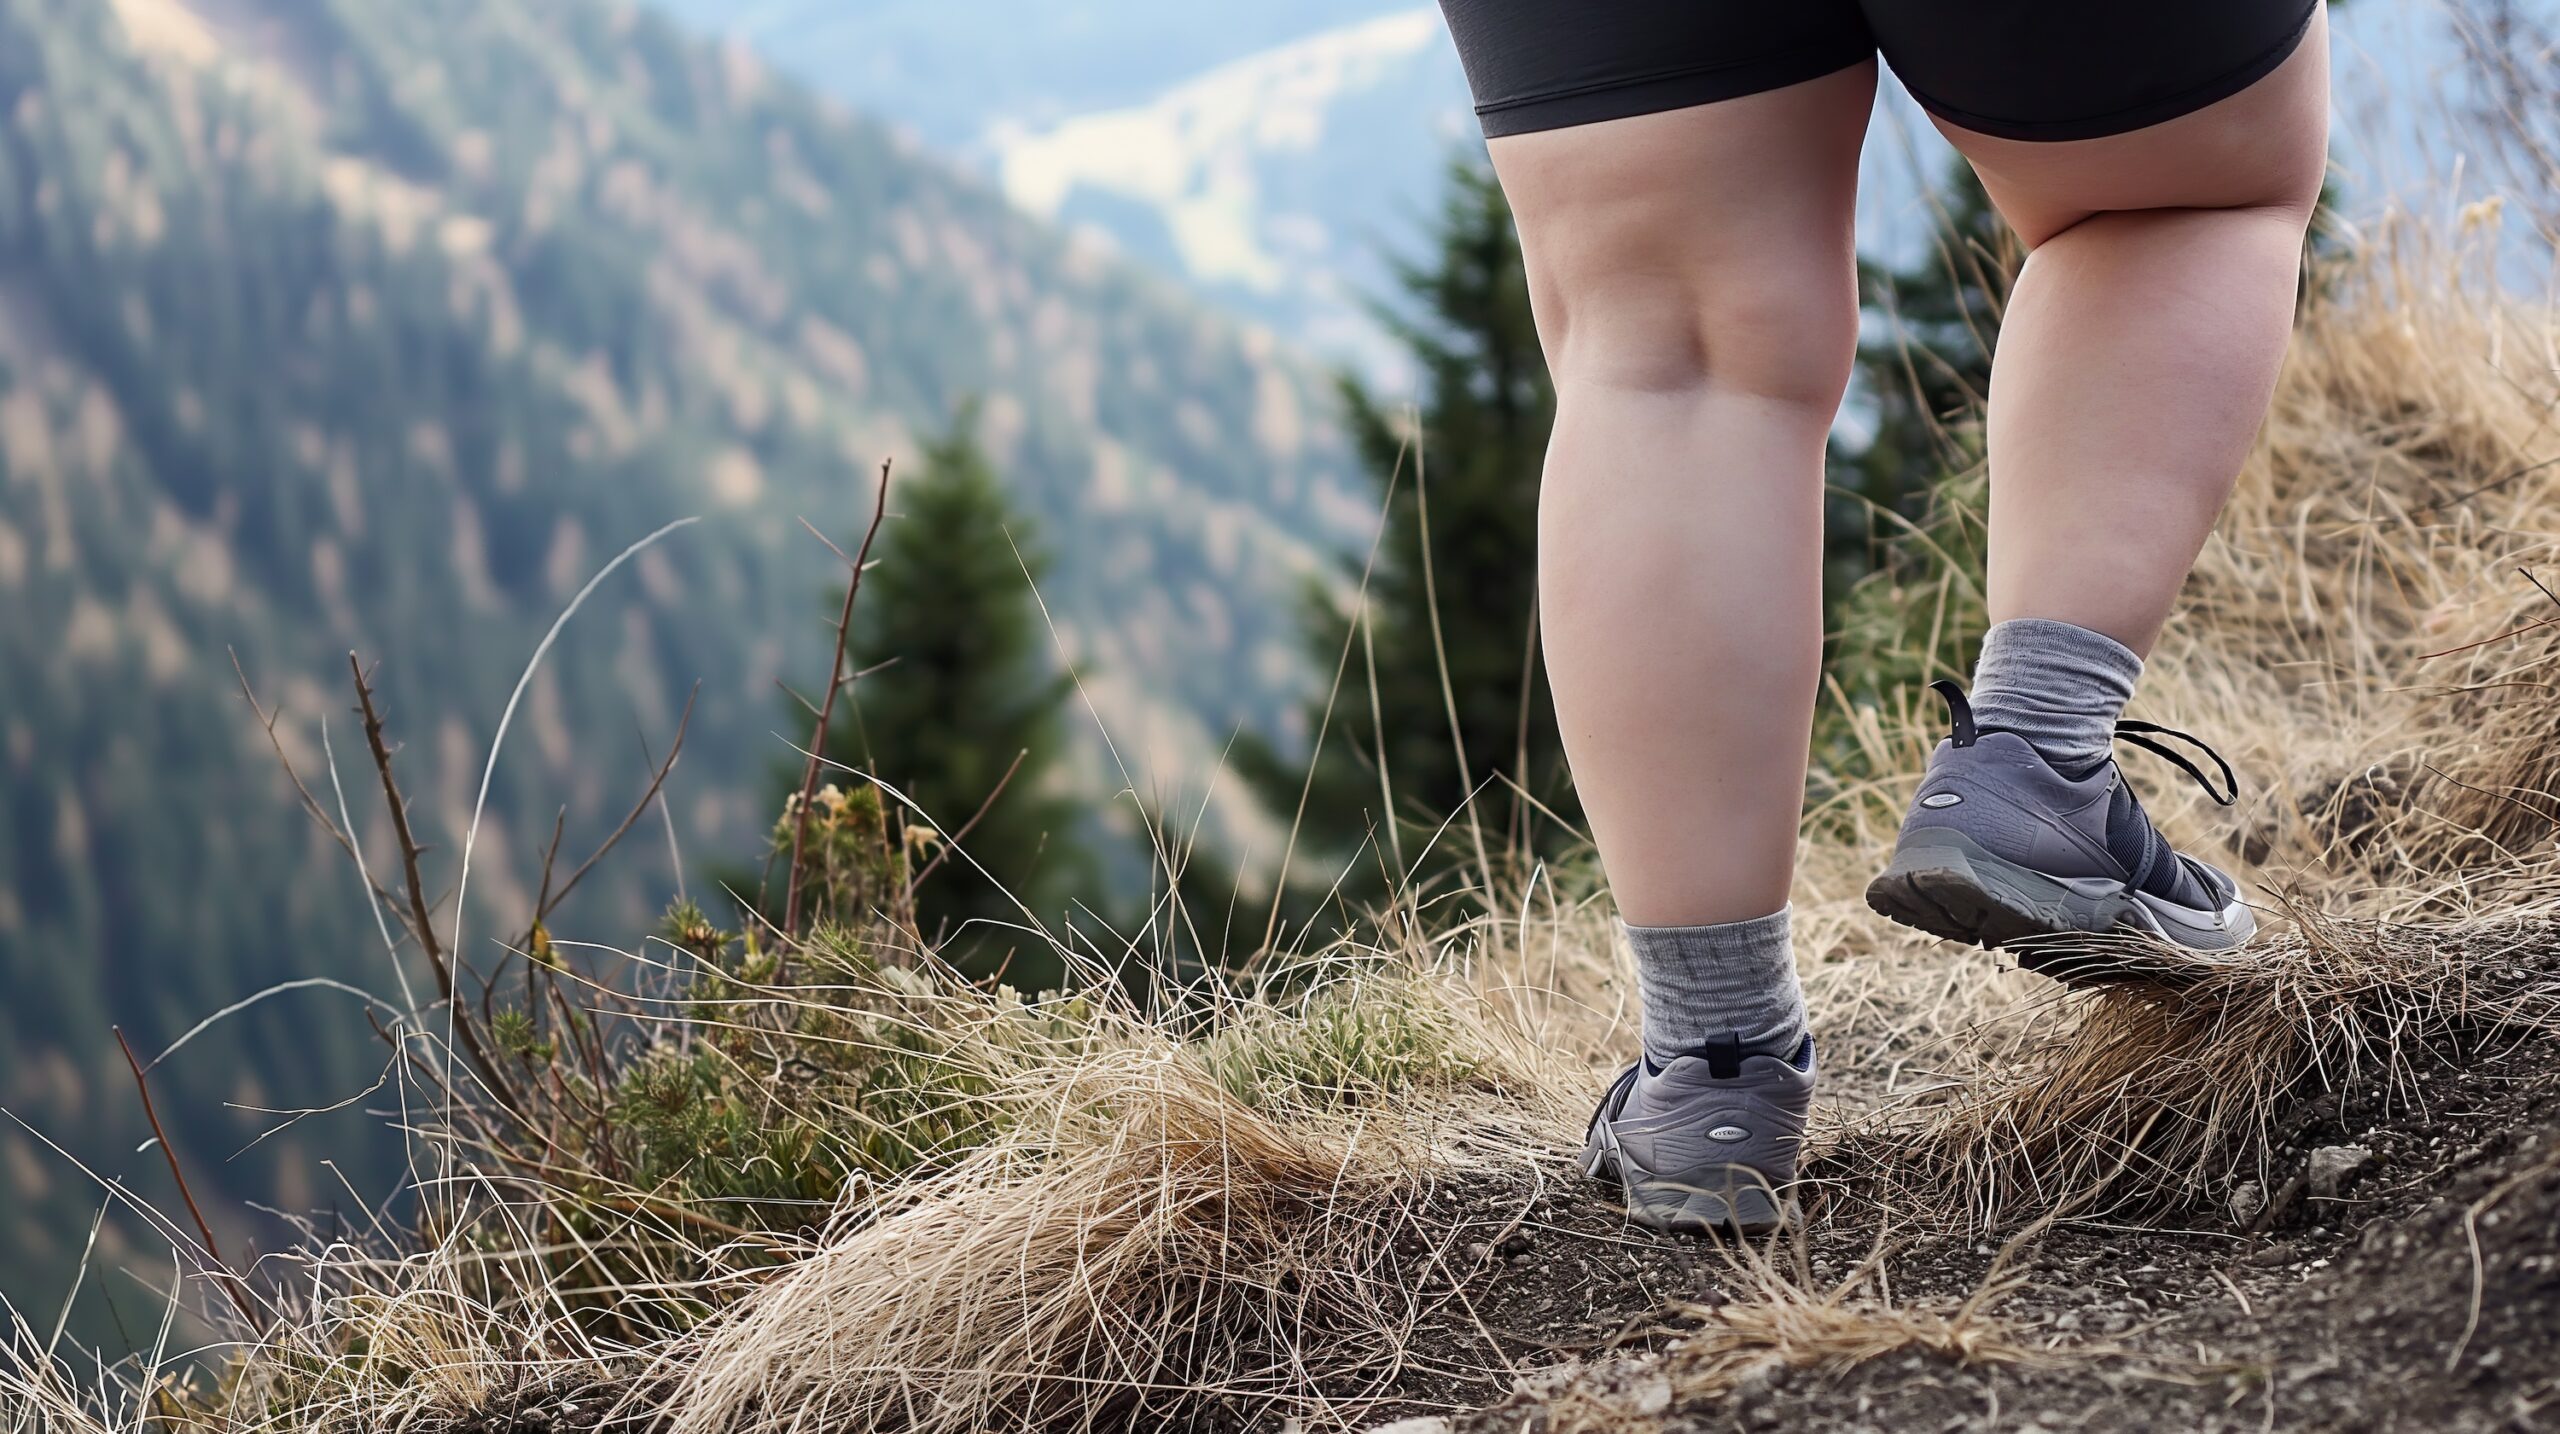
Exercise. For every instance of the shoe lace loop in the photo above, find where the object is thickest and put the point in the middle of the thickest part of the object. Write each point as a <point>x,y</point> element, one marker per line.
<point>2140,734</point>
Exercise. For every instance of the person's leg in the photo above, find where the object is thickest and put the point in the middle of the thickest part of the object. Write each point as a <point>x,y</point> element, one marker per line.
<point>2134,364</point>
<point>1693,278</point>
<point>2141,343</point>
<point>1692,274</point>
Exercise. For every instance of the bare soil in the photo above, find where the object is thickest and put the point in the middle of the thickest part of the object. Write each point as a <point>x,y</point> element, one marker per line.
<point>2423,1294</point>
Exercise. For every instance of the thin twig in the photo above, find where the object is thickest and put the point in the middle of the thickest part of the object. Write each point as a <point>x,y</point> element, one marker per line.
<point>826,709</point>
<point>2500,481</point>
<point>267,722</point>
<point>666,812</point>
<point>966,827</point>
<point>231,1285</point>
<point>421,925</point>
<point>2534,626</point>
<point>656,783</point>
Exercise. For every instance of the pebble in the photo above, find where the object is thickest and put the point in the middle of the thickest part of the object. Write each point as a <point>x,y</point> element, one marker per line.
<point>2282,1252</point>
<point>2334,1167</point>
<point>2248,1200</point>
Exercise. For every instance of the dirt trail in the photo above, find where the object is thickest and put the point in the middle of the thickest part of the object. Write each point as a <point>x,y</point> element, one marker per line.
<point>2404,1273</point>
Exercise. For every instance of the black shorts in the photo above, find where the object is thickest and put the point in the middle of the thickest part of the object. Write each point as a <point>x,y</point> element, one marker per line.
<point>2021,69</point>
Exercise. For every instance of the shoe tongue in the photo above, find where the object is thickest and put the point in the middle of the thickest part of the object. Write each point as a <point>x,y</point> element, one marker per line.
<point>2134,841</point>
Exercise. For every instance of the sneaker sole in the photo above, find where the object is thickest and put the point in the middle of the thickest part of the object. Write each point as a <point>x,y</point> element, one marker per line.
<point>1943,882</point>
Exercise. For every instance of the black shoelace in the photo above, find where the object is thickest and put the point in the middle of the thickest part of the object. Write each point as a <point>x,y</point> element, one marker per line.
<point>2141,734</point>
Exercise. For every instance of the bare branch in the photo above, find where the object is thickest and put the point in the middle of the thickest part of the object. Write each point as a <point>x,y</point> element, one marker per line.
<point>638,809</point>
<point>267,722</point>
<point>421,922</point>
<point>231,1285</point>
<point>826,709</point>
<point>953,840</point>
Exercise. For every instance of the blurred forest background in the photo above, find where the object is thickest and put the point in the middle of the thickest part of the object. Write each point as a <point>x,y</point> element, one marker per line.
<point>383,325</point>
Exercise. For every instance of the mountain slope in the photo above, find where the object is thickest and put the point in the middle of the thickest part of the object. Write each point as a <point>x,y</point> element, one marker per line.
<point>951,67</point>
<point>383,324</point>
<point>1258,180</point>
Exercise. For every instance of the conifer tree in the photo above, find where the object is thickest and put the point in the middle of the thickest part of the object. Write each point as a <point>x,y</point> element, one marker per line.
<point>1458,551</point>
<point>961,681</point>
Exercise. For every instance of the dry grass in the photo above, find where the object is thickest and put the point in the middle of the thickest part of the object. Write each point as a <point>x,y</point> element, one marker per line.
<point>2145,1098</point>
<point>1167,1225</point>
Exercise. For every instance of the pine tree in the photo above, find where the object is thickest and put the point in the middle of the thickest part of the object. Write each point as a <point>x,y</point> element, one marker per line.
<point>1458,552</point>
<point>964,683</point>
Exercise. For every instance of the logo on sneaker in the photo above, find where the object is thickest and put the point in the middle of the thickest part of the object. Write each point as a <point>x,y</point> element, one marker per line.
<point>1942,799</point>
<point>1728,1133</point>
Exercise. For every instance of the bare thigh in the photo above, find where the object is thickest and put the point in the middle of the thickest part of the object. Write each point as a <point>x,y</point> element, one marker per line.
<point>2263,147</point>
<point>1705,237</point>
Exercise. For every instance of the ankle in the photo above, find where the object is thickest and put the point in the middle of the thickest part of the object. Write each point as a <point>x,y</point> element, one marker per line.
<point>2060,686</point>
<point>1732,984</point>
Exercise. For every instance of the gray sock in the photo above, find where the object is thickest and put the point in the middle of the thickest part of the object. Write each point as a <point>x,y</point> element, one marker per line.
<point>2059,686</point>
<point>1735,981</point>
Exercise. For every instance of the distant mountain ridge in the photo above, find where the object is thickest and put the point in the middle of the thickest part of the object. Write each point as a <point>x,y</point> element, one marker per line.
<point>1252,179</point>
<point>951,69</point>
<point>1271,157</point>
<point>381,324</point>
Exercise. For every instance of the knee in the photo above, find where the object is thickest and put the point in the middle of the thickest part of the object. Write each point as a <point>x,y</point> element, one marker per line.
<point>1786,332</point>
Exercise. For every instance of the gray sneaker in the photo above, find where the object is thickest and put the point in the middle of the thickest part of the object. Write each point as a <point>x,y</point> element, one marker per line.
<point>2003,851</point>
<point>1708,1141</point>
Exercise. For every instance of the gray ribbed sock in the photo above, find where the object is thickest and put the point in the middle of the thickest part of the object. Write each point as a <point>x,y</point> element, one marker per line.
<point>2059,686</point>
<point>1735,981</point>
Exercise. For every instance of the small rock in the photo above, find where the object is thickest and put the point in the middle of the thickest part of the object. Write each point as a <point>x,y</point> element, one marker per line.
<point>1648,1396</point>
<point>2335,1167</point>
<point>2280,1253</point>
<point>1755,1382</point>
<point>2248,1201</point>
<point>1476,1252</point>
<point>1429,1424</point>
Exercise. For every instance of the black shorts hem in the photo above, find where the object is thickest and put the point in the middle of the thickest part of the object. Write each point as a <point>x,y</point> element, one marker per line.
<point>1677,90</point>
<point>2142,116</point>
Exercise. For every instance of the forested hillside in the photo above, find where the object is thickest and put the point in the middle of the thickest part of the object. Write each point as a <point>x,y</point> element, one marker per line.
<point>382,324</point>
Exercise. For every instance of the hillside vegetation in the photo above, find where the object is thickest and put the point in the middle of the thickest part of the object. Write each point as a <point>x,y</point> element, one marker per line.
<point>329,324</point>
<point>820,1180</point>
